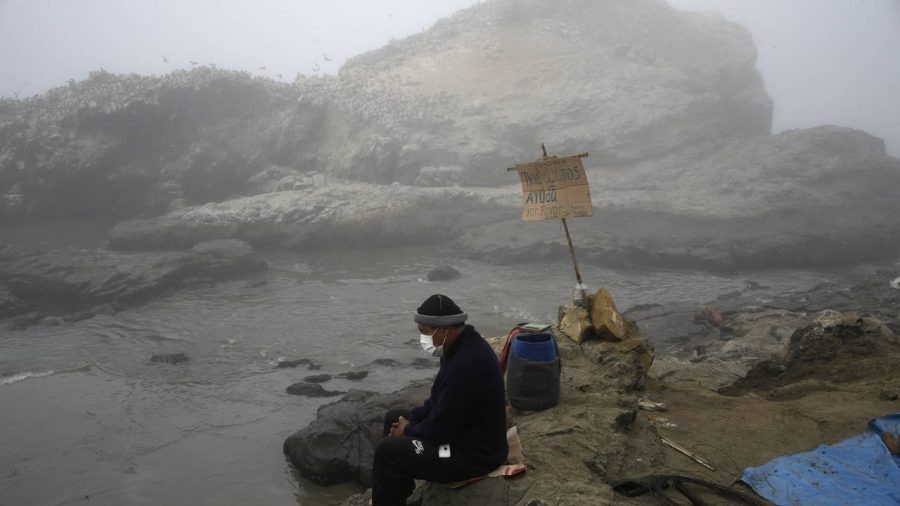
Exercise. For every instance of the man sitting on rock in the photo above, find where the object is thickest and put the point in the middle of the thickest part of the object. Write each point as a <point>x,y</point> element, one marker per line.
<point>459,433</point>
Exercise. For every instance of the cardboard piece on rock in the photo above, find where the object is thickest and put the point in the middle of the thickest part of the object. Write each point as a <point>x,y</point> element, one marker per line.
<point>554,188</point>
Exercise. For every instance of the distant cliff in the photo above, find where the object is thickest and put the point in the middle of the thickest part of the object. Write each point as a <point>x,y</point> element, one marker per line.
<point>669,104</point>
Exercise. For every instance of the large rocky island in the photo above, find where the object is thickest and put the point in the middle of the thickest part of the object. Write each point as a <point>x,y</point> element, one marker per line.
<point>683,167</point>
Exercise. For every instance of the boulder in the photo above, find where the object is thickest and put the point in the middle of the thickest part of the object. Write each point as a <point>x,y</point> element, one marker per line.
<point>574,322</point>
<point>608,323</point>
<point>317,378</point>
<point>338,446</point>
<point>353,375</point>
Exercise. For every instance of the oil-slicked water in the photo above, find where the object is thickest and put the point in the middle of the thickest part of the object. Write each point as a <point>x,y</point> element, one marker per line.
<point>87,414</point>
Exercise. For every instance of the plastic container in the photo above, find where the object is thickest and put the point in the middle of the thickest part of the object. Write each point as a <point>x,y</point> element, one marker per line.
<point>580,296</point>
<point>534,347</point>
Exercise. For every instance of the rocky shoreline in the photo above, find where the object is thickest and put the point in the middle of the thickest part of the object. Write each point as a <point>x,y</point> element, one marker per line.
<point>792,361</point>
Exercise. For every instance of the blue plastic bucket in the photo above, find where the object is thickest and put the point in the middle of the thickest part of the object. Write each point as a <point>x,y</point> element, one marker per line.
<point>534,347</point>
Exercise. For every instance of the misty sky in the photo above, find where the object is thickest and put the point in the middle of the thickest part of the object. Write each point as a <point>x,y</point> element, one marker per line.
<point>824,61</point>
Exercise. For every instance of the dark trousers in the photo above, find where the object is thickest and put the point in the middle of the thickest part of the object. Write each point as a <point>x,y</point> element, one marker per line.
<point>401,459</point>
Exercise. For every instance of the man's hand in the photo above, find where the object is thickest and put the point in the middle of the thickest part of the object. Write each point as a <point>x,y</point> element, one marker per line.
<point>398,426</point>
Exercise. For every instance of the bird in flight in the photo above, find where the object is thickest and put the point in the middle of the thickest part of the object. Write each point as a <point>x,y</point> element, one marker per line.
<point>165,60</point>
<point>193,63</point>
<point>263,67</point>
<point>325,57</point>
<point>315,67</point>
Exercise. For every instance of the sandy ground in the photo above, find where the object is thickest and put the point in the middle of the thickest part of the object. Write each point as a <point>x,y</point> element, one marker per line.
<point>573,449</point>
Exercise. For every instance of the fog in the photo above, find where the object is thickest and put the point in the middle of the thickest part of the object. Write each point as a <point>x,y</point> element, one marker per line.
<point>823,61</point>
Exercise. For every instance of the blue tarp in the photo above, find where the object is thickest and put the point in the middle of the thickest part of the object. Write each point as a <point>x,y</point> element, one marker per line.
<point>856,471</point>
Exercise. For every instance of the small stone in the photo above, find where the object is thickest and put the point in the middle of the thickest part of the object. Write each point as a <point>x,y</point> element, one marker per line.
<point>310,390</point>
<point>311,365</point>
<point>353,375</point>
<point>317,378</point>
<point>888,395</point>
<point>389,362</point>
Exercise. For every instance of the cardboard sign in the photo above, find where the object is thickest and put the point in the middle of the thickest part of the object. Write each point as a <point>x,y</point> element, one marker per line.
<point>554,188</point>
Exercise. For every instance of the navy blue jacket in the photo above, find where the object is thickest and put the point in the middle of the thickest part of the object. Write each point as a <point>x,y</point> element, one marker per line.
<point>467,406</point>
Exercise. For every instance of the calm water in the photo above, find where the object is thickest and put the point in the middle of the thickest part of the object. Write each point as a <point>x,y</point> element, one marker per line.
<point>87,416</point>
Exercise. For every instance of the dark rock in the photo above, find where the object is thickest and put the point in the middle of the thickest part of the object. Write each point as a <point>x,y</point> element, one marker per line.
<point>317,378</point>
<point>389,362</point>
<point>339,444</point>
<point>423,363</point>
<point>888,395</point>
<point>627,416</point>
<point>170,358</point>
<point>283,364</point>
<point>353,375</point>
<point>311,390</point>
<point>443,273</point>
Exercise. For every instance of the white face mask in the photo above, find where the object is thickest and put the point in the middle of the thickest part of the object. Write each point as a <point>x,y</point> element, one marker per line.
<point>427,344</point>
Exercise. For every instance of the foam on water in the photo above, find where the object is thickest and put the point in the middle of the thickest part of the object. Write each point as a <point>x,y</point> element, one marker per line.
<point>9,380</point>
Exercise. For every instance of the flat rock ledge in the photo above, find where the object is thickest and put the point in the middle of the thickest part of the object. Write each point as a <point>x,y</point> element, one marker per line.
<point>78,283</point>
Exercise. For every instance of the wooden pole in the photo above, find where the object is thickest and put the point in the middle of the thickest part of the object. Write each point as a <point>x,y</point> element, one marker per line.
<point>568,236</point>
<point>572,252</point>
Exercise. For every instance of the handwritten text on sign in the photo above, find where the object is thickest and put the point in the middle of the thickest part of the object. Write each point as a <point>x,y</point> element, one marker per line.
<point>554,188</point>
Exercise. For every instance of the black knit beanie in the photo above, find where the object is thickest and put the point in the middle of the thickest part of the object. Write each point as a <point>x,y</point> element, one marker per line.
<point>439,311</point>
